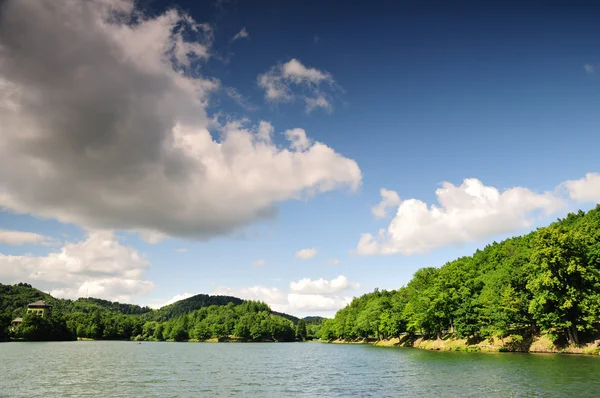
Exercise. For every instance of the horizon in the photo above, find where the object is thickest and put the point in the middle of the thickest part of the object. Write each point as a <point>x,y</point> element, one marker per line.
<point>156,150</point>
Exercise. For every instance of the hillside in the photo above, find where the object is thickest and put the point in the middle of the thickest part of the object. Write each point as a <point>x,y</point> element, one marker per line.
<point>544,283</point>
<point>190,304</point>
<point>199,317</point>
<point>14,300</point>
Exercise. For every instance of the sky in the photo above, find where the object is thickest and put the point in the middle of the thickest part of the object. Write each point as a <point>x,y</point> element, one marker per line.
<point>300,153</point>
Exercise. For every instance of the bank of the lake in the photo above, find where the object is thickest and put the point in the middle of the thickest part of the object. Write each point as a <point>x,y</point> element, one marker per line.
<point>538,344</point>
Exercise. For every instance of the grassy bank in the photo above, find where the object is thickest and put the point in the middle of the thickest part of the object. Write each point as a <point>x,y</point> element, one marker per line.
<point>449,342</point>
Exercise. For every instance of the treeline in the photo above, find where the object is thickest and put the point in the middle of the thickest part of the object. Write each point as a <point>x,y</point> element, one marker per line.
<point>200,317</point>
<point>547,281</point>
<point>250,320</point>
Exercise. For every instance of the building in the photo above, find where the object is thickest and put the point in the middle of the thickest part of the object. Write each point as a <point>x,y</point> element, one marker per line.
<point>40,308</point>
<point>15,323</point>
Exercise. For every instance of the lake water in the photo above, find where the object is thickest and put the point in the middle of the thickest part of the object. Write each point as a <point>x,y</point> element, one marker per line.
<point>127,369</point>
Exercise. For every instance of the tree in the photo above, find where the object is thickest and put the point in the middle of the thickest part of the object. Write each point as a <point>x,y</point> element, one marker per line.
<point>301,330</point>
<point>565,287</point>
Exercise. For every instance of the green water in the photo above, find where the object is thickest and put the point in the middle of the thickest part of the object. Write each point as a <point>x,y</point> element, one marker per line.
<point>126,369</point>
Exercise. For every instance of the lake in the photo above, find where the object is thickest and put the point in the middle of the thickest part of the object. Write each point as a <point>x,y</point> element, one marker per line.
<point>128,369</point>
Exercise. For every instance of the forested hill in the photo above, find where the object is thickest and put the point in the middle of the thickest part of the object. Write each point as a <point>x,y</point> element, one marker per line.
<point>190,304</point>
<point>547,281</point>
<point>14,300</point>
<point>199,317</point>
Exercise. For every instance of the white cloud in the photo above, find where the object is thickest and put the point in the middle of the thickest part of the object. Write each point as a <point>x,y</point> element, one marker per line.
<point>333,261</point>
<point>290,302</point>
<point>298,139</point>
<point>181,250</point>
<point>317,102</point>
<point>258,263</point>
<point>467,213</point>
<point>316,302</point>
<point>15,238</point>
<point>305,254</point>
<point>296,72</point>
<point>270,295</point>
<point>278,82</point>
<point>98,266</point>
<point>389,199</point>
<point>265,131</point>
<point>114,289</point>
<point>242,34</point>
<point>118,137</point>
<point>322,286</point>
<point>586,189</point>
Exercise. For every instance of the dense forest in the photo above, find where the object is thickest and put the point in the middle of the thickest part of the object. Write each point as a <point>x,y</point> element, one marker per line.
<point>547,281</point>
<point>199,317</point>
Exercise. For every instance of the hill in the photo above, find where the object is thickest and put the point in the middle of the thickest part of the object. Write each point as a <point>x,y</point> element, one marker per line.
<point>198,317</point>
<point>190,304</point>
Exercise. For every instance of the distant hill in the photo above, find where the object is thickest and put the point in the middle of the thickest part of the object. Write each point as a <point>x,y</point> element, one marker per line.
<point>92,304</point>
<point>198,301</point>
<point>287,316</point>
<point>14,300</point>
<point>188,305</point>
<point>313,320</point>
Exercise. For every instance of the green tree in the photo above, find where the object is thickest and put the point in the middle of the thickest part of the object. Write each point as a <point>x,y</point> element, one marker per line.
<point>565,286</point>
<point>301,330</point>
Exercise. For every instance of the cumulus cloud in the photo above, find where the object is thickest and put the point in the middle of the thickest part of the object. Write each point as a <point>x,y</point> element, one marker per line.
<point>305,296</point>
<point>280,79</point>
<point>15,238</point>
<point>389,199</point>
<point>333,261</point>
<point>305,254</point>
<point>258,263</point>
<point>316,302</point>
<point>467,213</point>
<point>98,266</point>
<point>242,34</point>
<point>586,189</point>
<point>112,132</point>
<point>322,286</point>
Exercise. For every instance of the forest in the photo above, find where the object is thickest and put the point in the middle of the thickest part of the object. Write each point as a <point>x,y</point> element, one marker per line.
<point>547,281</point>
<point>197,318</point>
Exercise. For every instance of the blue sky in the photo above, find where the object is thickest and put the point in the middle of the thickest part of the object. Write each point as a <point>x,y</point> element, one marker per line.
<point>412,96</point>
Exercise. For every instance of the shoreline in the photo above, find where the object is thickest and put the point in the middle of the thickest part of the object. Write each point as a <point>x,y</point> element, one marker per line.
<point>539,344</point>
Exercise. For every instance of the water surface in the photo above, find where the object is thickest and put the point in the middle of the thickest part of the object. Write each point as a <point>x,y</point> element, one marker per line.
<point>127,369</point>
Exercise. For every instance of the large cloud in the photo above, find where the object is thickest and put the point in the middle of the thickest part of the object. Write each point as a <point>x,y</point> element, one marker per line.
<point>104,125</point>
<point>467,213</point>
<point>98,266</point>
